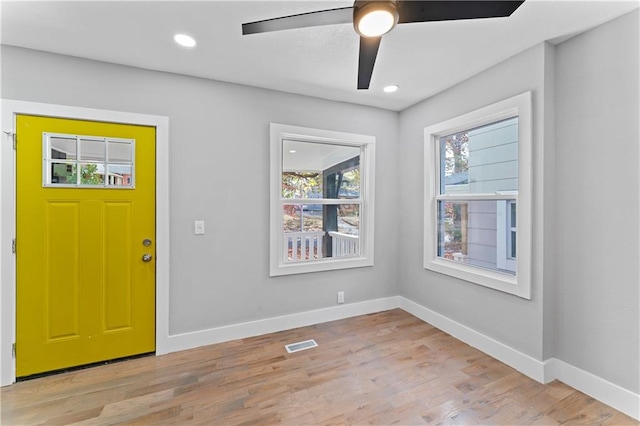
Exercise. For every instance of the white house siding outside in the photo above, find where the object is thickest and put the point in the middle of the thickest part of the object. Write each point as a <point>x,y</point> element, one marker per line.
<point>492,168</point>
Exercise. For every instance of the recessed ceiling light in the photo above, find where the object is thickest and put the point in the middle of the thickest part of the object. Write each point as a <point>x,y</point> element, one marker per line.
<point>292,151</point>
<point>391,88</point>
<point>184,40</point>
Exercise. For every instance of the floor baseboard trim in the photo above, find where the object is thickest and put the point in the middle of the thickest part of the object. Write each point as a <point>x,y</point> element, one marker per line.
<point>546,371</point>
<point>609,393</point>
<point>184,341</point>
<point>541,371</point>
<point>524,363</point>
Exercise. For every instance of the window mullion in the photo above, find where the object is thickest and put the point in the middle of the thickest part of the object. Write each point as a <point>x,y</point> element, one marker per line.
<point>322,201</point>
<point>77,162</point>
<point>476,197</point>
<point>105,182</point>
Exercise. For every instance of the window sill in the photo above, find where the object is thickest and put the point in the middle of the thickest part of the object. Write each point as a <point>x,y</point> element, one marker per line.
<point>498,281</point>
<point>281,269</point>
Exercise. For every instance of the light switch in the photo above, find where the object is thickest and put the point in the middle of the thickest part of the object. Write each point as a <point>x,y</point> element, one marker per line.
<point>198,227</point>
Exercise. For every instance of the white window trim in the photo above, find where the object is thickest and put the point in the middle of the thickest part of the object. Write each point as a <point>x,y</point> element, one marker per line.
<point>503,235</point>
<point>520,284</point>
<point>279,132</point>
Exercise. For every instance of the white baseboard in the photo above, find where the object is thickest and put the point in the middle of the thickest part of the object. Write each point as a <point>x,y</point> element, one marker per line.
<point>524,363</point>
<point>542,371</point>
<point>609,393</point>
<point>210,336</point>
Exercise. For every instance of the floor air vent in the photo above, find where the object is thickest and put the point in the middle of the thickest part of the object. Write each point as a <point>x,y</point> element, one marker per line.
<point>300,346</point>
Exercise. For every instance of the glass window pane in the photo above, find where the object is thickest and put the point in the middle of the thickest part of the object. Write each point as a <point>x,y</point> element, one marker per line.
<point>62,148</point>
<point>314,232</point>
<point>349,219</point>
<point>92,150</point>
<point>120,152</point>
<point>82,161</point>
<point>467,233</point>
<point>302,218</point>
<point>345,241</point>
<point>119,175</point>
<point>91,174</point>
<point>301,185</point>
<point>350,184</point>
<point>480,160</point>
<point>303,233</point>
<point>320,170</point>
<point>342,181</point>
<point>63,173</point>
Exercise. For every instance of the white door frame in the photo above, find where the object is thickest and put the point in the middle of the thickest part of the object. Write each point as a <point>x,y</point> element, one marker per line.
<point>8,111</point>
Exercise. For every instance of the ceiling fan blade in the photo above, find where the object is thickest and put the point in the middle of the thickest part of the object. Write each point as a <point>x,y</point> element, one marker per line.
<point>343,15</point>
<point>368,53</point>
<point>425,11</point>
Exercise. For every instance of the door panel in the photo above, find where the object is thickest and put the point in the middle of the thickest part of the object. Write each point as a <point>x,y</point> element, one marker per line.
<point>83,292</point>
<point>62,284</point>
<point>117,315</point>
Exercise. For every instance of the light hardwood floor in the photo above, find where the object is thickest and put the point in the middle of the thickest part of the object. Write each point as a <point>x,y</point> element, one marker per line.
<point>384,368</point>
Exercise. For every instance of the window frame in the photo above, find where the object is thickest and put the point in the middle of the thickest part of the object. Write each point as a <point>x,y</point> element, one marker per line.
<point>280,132</point>
<point>504,231</point>
<point>48,161</point>
<point>520,283</point>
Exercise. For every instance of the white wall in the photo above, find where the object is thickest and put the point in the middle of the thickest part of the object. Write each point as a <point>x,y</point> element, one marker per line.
<point>597,202</point>
<point>219,172</point>
<point>508,319</point>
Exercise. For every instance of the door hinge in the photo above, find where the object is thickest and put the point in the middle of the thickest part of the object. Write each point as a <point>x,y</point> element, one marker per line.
<point>13,350</point>
<point>13,246</point>
<point>13,136</point>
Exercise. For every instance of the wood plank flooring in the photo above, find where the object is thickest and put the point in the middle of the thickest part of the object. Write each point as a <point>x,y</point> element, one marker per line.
<point>379,369</point>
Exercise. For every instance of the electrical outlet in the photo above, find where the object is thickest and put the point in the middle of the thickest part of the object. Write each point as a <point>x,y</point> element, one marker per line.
<point>341,297</point>
<point>198,227</point>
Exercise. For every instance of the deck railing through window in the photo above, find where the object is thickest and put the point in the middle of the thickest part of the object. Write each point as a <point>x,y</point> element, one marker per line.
<point>306,246</point>
<point>303,246</point>
<point>344,245</point>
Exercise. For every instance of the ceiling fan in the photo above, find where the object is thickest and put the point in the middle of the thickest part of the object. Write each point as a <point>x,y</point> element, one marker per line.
<point>374,18</point>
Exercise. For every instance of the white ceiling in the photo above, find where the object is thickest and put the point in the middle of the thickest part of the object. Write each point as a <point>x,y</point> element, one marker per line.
<point>423,58</point>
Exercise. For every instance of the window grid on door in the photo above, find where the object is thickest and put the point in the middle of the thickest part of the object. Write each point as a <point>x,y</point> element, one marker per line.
<point>88,161</point>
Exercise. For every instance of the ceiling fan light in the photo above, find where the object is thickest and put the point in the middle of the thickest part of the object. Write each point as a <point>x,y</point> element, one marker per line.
<point>375,23</point>
<point>374,18</point>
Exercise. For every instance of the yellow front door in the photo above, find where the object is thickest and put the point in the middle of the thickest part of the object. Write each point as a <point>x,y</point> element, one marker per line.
<point>85,242</point>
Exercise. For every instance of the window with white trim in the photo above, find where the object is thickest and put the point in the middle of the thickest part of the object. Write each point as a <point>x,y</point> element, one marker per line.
<point>478,196</point>
<point>87,161</point>
<point>321,200</point>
